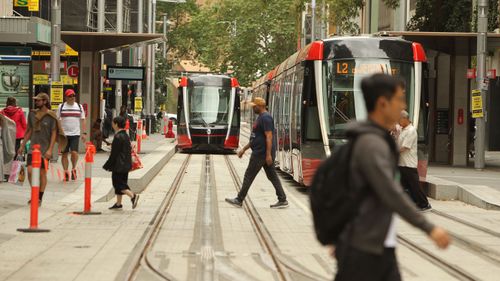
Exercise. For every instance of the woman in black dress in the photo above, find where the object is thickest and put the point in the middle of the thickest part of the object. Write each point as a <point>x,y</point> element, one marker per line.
<point>120,163</point>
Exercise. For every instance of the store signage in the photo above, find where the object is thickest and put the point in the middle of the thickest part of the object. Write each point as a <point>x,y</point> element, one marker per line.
<point>33,5</point>
<point>492,73</point>
<point>477,104</point>
<point>73,71</point>
<point>125,73</point>
<point>471,73</point>
<point>40,79</point>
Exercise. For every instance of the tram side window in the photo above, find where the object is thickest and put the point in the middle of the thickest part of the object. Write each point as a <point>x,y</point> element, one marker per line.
<point>297,107</point>
<point>180,106</point>
<point>311,118</point>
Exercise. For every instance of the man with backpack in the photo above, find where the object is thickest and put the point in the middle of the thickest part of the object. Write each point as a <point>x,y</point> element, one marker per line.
<point>356,214</point>
<point>71,115</point>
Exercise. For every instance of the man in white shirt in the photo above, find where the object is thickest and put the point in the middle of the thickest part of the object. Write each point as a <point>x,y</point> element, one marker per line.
<point>408,162</point>
<point>72,117</point>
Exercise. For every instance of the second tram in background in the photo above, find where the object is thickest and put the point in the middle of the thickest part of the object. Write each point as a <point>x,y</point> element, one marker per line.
<point>208,113</point>
<point>314,94</point>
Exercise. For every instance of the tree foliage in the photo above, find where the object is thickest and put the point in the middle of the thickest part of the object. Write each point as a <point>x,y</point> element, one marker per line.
<point>344,12</point>
<point>246,37</point>
<point>450,16</point>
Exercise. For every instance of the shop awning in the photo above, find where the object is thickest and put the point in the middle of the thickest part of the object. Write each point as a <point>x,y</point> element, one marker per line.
<point>97,41</point>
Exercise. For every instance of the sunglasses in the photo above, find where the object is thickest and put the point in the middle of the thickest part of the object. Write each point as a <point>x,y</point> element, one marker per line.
<point>71,96</point>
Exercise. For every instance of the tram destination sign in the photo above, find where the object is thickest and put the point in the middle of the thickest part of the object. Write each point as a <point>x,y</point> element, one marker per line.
<point>364,68</point>
<point>125,73</point>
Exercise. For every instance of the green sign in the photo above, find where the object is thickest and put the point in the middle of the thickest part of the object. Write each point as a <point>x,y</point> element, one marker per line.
<point>15,82</point>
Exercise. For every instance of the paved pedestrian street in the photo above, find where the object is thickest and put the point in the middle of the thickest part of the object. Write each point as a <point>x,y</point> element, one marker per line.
<point>184,230</point>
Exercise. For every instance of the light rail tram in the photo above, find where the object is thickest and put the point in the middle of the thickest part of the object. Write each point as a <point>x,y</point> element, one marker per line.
<point>315,92</point>
<point>208,112</point>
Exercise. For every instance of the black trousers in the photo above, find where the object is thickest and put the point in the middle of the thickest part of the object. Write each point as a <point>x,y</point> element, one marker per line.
<point>254,166</point>
<point>410,182</point>
<point>356,265</point>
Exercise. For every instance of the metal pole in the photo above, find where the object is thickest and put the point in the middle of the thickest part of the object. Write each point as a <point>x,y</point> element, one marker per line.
<point>165,34</point>
<point>482,29</point>
<point>153,65</point>
<point>148,64</point>
<point>100,15</point>
<point>323,20</point>
<point>100,28</point>
<point>313,20</point>
<point>140,27</point>
<point>119,29</point>
<point>55,51</point>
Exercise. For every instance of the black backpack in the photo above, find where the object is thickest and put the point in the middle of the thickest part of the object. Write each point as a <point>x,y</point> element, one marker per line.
<point>333,202</point>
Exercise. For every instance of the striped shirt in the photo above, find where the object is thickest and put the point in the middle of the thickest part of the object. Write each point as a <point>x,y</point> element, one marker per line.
<point>70,116</point>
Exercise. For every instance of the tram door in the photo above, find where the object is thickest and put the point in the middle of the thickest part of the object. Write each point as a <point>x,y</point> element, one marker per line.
<point>296,124</point>
<point>286,123</point>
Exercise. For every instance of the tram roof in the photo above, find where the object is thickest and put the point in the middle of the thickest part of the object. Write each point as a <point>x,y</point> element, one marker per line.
<point>209,80</point>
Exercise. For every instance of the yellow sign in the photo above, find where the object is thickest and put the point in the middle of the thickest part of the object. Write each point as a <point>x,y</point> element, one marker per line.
<point>477,104</point>
<point>138,104</point>
<point>66,80</point>
<point>20,3</point>
<point>33,5</point>
<point>56,94</point>
<point>40,79</point>
<point>68,52</point>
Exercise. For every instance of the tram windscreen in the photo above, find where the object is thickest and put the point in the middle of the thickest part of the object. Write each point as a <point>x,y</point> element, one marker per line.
<point>209,105</point>
<point>344,100</point>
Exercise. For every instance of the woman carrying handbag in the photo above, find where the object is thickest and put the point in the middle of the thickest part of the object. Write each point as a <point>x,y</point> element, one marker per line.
<point>120,164</point>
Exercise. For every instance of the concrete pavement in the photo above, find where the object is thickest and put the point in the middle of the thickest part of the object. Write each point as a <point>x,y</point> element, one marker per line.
<point>80,245</point>
<point>480,188</point>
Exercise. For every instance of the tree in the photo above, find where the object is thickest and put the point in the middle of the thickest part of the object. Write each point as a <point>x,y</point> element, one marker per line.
<point>343,13</point>
<point>246,37</point>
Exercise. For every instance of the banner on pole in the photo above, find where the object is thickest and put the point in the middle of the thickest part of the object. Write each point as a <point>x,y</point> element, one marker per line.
<point>56,94</point>
<point>138,104</point>
<point>477,104</point>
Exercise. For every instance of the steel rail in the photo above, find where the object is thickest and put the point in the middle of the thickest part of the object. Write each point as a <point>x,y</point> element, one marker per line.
<point>157,223</point>
<point>264,235</point>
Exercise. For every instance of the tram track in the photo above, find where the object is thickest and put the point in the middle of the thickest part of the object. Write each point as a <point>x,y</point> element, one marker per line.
<point>156,224</point>
<point>467,244</point>
<point>453,270</point>
<point>283,266</point>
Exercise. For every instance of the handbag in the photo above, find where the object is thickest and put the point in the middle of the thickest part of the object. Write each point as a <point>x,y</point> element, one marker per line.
<point>17,172</point>
<point>136,161</point>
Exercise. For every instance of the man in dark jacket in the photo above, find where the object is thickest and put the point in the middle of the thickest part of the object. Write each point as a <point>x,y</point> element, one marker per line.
<point>120,163</point>
<point>366,250</point>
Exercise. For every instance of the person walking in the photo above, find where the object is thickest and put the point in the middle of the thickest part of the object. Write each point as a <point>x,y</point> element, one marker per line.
<point>366,246</point>
<point>72,118</point>
<point>120,163</point>
<point>16,114</point>
<point>43,129</point>
<point>408,162</point>
<point>263,144</point>
<point>96,135</point>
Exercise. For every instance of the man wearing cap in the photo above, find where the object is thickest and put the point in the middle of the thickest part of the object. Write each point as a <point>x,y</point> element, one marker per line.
<point>72,117</point>
<point>263,144</point>
<point>43,129</point>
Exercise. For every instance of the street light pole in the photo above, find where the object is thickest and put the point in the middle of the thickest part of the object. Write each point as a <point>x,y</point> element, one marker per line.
<point>119,29</point>
<point>55,51</point>
<point>140,13</point>
<point>482,30</point>
<point>153,63</point>
<point>313,20</point>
